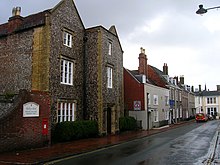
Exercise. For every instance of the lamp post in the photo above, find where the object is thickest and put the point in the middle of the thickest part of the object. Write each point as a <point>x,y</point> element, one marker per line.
<point>202,10</point>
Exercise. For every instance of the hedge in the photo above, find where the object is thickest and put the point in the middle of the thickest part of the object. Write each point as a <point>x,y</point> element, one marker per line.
<point>67,131</point>
<point>127,123</point>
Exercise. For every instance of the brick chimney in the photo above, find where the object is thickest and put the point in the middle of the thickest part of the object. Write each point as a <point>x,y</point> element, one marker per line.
<point>182,79</point>
<point>218,88</point>
<point>142,69</point>
<point>192,88</point>
<point>177,80</point>
<point>165,69</point>
<point>15,21</point>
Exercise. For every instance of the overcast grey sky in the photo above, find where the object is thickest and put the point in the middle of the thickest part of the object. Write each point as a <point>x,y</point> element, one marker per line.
<point>169,31</point>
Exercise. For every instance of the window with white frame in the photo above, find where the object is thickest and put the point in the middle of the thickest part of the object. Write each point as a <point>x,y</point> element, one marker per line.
<point>181,112</point>
<point>66,72</point>
<point>155,100</point>
<point>148,98</point>
<point>109,48</point>
<point>67,39</point>
<point>66,111</point>
<point>211,100</point>
<point>176,94</point>
<point>166,100</point>
<point>180,97</point>
<point>177,113</point>
<point>155,115</point>
<point>109,77</point>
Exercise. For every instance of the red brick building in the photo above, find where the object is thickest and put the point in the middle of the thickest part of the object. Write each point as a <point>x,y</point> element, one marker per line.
<point>146,94</point>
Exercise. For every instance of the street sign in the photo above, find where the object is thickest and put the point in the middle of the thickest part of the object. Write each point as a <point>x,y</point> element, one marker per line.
<point>137,105</point>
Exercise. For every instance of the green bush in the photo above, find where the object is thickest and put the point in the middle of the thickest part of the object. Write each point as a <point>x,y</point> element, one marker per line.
<point>127,123</point>
<point>66,131</point>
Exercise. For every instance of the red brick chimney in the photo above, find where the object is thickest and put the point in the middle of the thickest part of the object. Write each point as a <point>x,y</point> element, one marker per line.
<point>142,69</point>
<point>15,21</point>
<point>165,69</point>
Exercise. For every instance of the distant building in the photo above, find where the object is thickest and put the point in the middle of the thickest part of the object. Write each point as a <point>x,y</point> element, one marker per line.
<point>162,79</point>
<point>154,98</point>
<point>208,102</point>
<point>188,99</point>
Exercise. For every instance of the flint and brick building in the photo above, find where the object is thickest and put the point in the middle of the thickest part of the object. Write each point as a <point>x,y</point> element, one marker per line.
<point>80,69</point>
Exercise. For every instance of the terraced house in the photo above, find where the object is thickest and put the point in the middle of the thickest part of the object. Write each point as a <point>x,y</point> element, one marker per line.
<point>146,95</point>
<point>78,70</point>
<point>208,101</point>
<point>154,98</point>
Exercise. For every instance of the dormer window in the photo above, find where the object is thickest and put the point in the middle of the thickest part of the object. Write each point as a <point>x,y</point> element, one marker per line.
<point>67,39</point>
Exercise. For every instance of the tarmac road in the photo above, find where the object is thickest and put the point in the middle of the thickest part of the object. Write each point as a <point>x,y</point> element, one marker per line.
<point>186,145</point>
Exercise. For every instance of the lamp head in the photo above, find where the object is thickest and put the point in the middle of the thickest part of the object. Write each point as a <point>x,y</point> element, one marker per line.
<point>201,10</point>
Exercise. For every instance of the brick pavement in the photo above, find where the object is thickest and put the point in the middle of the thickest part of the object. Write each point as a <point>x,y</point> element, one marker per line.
<point>61,150</point>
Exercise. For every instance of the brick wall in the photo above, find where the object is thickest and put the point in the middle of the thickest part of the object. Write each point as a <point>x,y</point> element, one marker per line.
<point>133,91</point>
<point>18,132</point>
<point>153,76</point>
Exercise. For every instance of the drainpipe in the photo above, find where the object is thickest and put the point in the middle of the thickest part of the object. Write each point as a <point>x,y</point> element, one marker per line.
<point>148,121</point>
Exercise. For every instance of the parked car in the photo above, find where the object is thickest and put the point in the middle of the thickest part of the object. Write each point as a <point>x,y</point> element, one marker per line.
<point>201,117</point>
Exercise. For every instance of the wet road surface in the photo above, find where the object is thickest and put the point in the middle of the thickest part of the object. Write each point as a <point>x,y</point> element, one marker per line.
<point>185,145</point>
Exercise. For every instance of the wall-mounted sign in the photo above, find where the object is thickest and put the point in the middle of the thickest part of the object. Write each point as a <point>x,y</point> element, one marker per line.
<point>137,105</point>
<point>172,103</point>
<point>30,109</point>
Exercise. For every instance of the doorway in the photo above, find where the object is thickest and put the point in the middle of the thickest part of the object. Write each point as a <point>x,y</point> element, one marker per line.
<point>109,120</point>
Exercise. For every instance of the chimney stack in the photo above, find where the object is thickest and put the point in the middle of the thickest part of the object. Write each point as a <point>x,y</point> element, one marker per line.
<point>200,88</point>
<point>192,88</point>
<point>182,79</point>
<point>218,88</point>
<point>177,80</point>
<point>142,69</point>
<point>165,69</point>
<point>15,21</point>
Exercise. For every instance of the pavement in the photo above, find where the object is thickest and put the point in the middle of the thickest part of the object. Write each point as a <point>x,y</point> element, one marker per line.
<point>62,150</point>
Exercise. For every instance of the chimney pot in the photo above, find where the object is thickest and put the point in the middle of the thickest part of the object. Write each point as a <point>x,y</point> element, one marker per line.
<point>142,50</point>
<point>16,11</point>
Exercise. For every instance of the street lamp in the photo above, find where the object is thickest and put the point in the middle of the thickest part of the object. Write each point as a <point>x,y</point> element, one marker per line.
<point>202,10</point>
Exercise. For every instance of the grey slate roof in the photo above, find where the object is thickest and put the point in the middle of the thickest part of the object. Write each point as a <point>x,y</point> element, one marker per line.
<point>208,93</point>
